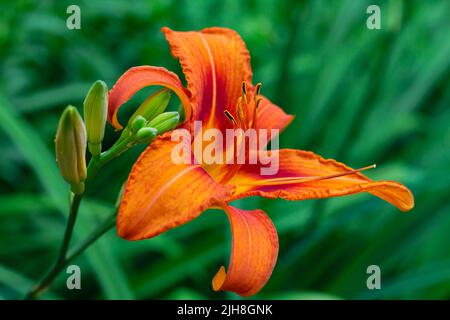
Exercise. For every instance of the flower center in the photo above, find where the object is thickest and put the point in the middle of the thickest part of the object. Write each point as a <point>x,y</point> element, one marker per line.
<point>246,108</point>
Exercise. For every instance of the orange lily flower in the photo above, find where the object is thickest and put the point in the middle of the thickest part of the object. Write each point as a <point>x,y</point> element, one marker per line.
<point>160,195</point>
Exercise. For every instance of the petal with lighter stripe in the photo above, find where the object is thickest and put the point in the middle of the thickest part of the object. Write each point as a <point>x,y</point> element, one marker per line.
<point>215,62</point>
<point>160,195</point>
<point>304,175</point>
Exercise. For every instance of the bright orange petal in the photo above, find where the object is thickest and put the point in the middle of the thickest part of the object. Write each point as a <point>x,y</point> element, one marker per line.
<point>253,255</point>
<point>270,116</point>
<point>160,195</point>
<point>302,175</point>
<point>215,62</point>
<point>136,78</point>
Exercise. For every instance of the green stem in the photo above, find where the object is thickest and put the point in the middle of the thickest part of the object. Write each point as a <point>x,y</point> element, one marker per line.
<point>94,166</point>
<point>46,281</point>
<point>74,206</point>
<point>102,229</point>
<point>116,150</point>
<point>59,266</point>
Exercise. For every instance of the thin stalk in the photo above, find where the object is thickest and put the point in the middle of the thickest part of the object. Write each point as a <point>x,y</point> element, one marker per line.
<point>46,281</point>
<point>94,166</point>
<point>101,230</point>
<point>60,265</point>
<point>73,213</point>
<point>116,150</point>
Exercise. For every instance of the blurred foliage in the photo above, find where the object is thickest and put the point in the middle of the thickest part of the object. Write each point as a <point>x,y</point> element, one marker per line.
<point>360,96</point>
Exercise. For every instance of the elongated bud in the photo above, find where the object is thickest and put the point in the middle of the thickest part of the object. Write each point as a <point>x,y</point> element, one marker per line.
<point>70,145</point>
<point>146,135</point>
<point>95,109</point>
<point>153,105</point>
<point>165,121</point>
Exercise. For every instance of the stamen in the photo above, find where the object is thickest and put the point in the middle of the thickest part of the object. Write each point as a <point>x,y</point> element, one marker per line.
<point>244,91</point>
<point>258,89</point>
<point>258,100</point>
<point>255,111</point>
<point>230,117</point>
<point>244,88</point>
<point>240,112</point>
<point>291,180</point>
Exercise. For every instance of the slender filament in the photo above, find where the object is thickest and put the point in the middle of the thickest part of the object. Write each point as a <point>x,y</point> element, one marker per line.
<point>291,180</point>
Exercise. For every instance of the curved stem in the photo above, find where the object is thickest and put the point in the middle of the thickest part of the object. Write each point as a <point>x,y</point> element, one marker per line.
<point>73,213</point>
<point>39,288</point>
<point>94,166</point>
<point>116,150</point>
<point>102,229</point>
<point>46,281</point>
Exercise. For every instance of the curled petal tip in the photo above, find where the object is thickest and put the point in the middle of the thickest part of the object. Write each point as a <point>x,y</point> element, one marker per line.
<point>219,279</point>
<point>253,255</point>
<point>396,194</point>
<point>304,175</point>
<point>136,78</point>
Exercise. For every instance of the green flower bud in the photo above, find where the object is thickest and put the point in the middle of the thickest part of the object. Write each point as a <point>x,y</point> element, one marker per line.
<point>146,135</point>
<point>153,105</point>
<point>95,109</point>
<point>165,121</point>
<point>138,123</point>
<point>71,149</point>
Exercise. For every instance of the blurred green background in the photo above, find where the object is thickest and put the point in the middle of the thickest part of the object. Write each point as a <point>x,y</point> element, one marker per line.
<point>360,96</point>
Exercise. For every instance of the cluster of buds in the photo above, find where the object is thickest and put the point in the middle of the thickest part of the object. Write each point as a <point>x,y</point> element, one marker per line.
<point>150,120</point>
<point>74,134</point>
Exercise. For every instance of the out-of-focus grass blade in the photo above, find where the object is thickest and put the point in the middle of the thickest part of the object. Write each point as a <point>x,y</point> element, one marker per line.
<point>332,74</point>
<point>52,97</point>
<point>397,113</point>
<point>412,282</point>
<point>164,274</point>
<point>35,152</point>
<point>21,203</point>
<point>18,282</point>
<point>108,270</point>
<point>342,123</point>
<point>185,294</point>
<point>301,295</point>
